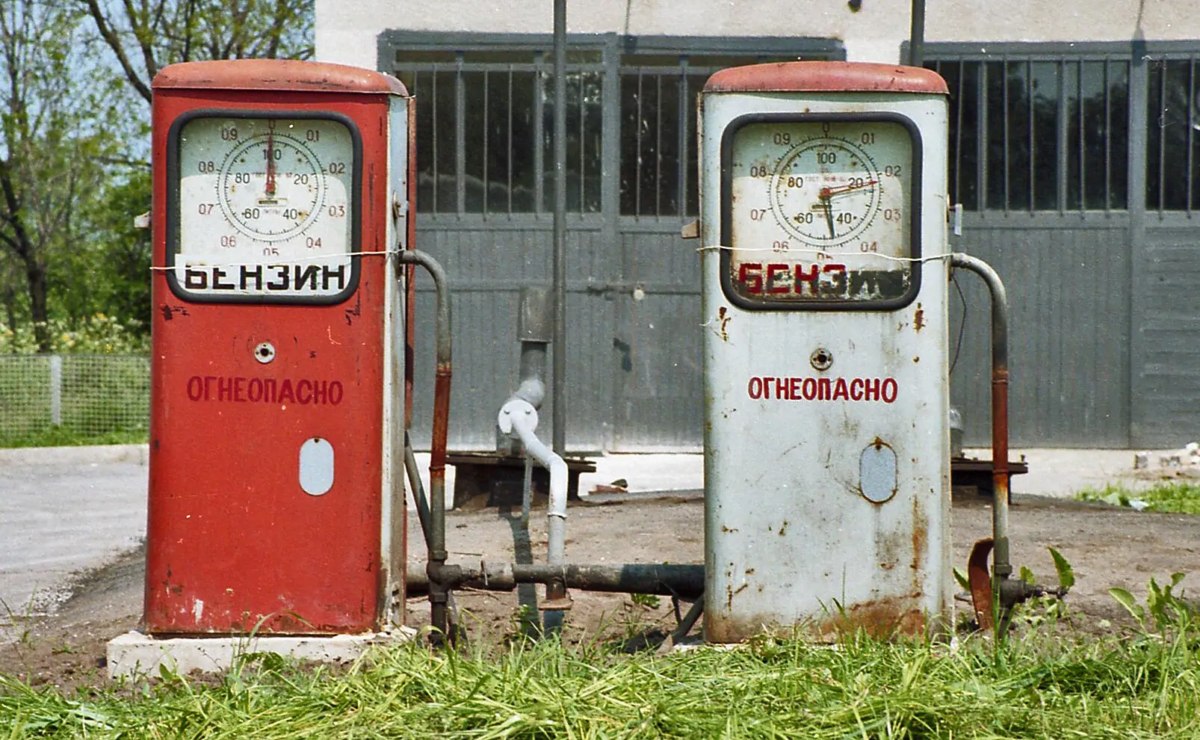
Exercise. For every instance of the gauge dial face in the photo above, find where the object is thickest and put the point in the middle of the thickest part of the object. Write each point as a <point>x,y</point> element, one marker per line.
<point>265,208</point>
<point>820,211</point>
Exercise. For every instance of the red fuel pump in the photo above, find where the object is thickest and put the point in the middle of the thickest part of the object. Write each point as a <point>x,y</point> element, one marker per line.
<point>280,330</point>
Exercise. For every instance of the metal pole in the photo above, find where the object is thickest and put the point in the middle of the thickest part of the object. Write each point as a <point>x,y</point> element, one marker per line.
<point>559,395</point>
<point>439,593</point>
<point>1001,566</point>
<point>916,42</point>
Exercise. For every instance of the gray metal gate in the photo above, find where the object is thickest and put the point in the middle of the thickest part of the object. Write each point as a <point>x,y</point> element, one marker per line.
<point>484,116</point>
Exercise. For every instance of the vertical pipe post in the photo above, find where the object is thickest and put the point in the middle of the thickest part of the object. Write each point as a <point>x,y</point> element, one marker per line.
<point>1001,565</point>
<point>439,592</point>
<point>56,364</point>
<point>559,398</point>
<point>916,41</point>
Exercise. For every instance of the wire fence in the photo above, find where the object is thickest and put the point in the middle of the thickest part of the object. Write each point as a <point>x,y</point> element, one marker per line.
<point>89,395</point>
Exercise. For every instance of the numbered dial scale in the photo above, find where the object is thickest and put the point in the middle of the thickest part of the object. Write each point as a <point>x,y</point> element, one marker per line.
<point>821,211</point>
<point>264,207</point>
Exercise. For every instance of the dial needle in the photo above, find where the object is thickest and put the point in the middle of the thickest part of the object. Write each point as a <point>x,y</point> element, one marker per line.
<point>270,164</point>
<point>841,189</point>
<point>828,204</point>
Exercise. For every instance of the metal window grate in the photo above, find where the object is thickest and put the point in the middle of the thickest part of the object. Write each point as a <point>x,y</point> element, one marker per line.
<point>1172,120</point>
<point>485,119</point>
<point>1038,132</point>
<point>484,125</point>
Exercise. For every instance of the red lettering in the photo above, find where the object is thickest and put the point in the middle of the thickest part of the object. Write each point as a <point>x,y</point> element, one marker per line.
<point>269,390</point>
<point>755,389</point>
<point>304,392</point>
<point>774,269</point>
<point>803,277</point>
<point>838,280</point>
<point>255,391</point>
<point>195,388</point>
<point>794,391</point>
<point>889,384</point>
<point>839,390</point>
<point>823,392</point>
<point>239,395</point>
<point>872,389</point>
<point>856,389</point>
<point>285,392</point>
<point>809,388</point>
<point>208,381</point>
<point>335,386</point>
<point>753,282</point>
<point>224,389</point>
<point>321,392</point>
<point>781,389</point>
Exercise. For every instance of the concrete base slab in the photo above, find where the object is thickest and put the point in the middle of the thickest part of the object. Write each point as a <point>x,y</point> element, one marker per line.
<point>135,654</point>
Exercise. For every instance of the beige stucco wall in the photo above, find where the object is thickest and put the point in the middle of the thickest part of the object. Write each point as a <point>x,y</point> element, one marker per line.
<point>346,31</point>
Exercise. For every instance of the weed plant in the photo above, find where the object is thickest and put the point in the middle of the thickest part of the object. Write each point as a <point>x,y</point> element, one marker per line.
<point>1178,497</point>
<point>1028,687</point>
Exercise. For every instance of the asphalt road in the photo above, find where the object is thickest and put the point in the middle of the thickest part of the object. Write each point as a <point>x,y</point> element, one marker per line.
<point>60,518</point>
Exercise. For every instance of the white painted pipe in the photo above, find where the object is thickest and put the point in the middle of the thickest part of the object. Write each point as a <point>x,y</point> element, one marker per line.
<point>519,418</point>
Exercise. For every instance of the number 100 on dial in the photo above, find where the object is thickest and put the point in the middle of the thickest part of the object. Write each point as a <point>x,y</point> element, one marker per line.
<point>821,209</point>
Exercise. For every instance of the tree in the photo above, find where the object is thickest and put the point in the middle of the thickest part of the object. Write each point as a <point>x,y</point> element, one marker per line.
<point>146,35</point>
<point>51,146</point>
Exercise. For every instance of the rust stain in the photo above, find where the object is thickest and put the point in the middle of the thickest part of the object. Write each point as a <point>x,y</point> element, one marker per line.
<point>723,321</point>
<point>880,618</point>
<point>919,319</point>
<point>169,312</point>
<point>920,538</point>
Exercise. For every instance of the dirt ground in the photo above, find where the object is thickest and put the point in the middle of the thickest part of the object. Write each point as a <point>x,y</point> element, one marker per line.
<point>1107,547</point>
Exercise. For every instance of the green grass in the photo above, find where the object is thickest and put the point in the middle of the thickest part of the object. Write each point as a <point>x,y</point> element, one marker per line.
<point>1032,688</point>
<point>1179,497</point>
<point>60,436</point>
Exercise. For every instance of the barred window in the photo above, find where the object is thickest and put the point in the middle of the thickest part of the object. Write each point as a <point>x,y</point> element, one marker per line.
<point>485,124</point>
<point>485,121</point>
<point>1038,133</point>
<point>658,129</point>
<point>1172,159</point>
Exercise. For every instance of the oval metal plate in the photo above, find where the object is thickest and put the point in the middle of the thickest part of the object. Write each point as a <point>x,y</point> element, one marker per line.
<point>316,466</point>
<point>877,472</point>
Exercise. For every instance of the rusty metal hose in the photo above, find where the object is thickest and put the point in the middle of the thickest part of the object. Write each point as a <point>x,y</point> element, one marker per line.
<point>436,535</point>
<point>1001,564</point>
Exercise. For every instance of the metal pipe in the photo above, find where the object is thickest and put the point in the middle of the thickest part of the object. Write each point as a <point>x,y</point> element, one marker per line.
<point>916,41</point>
<point>559,412</point>
<point>436,538</point>
<point>1001,565</point>
<point>683,581</point>
<point>414,483</point>
<point>519,417</point>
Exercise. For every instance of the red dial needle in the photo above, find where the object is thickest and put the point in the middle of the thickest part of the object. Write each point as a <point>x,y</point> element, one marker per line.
<point>270,164</point>
<point>838,190</point>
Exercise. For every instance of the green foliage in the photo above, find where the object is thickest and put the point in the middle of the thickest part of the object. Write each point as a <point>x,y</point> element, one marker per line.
<point>767,688</point>
<point>650,601</point>
<point>1066,574</point>
<point>1165,609</point>
<point>98,334</point>
<point>1179,497</point>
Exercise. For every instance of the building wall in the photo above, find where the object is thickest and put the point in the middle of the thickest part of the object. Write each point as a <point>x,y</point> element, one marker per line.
<point>347,32</point>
